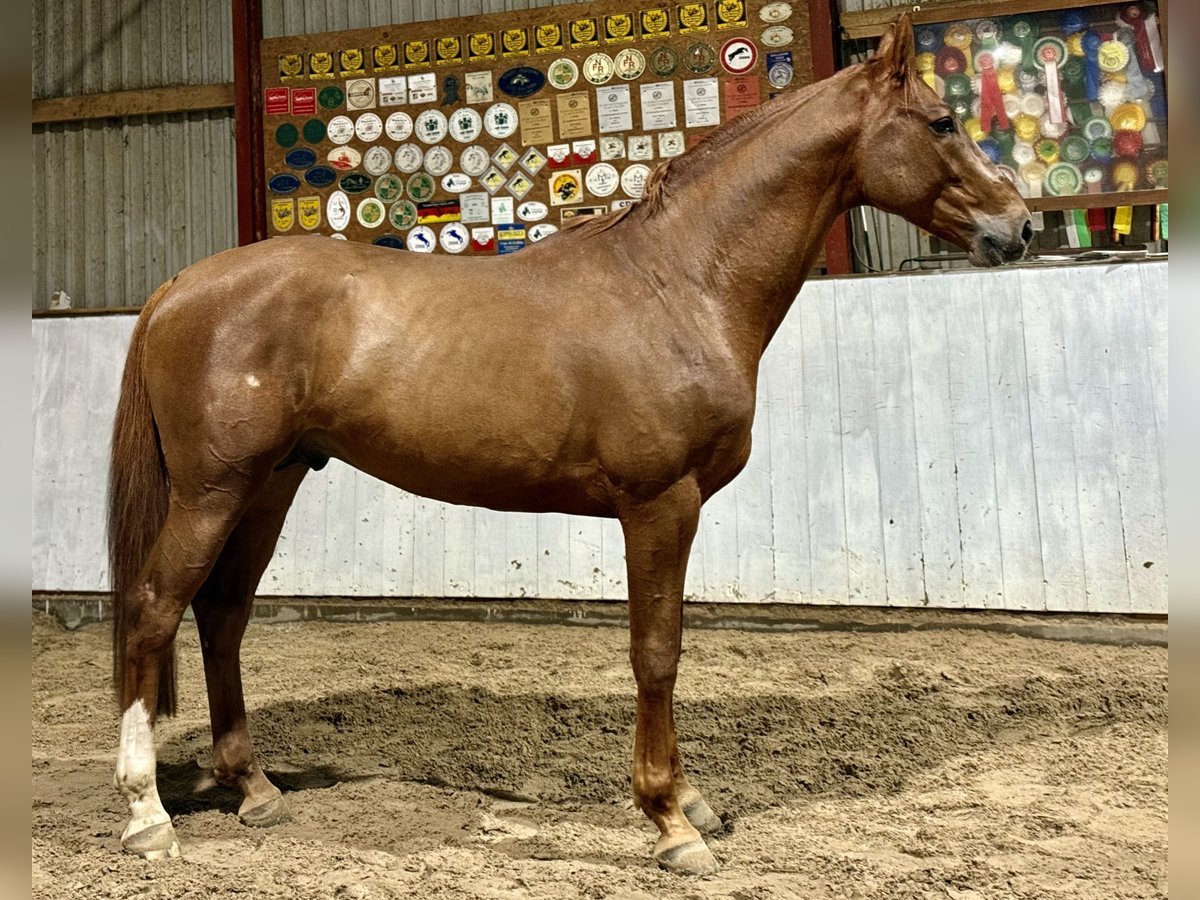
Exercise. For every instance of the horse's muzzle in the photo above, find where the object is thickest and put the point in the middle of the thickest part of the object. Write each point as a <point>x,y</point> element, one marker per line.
<point>995,250</point>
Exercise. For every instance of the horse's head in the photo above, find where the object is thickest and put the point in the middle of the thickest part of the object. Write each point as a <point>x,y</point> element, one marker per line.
<point>916,160</point>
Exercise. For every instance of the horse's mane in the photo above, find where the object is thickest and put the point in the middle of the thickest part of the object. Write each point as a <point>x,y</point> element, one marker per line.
<point>658,184</point>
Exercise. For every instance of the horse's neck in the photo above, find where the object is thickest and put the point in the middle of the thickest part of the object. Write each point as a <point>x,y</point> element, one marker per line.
<point>741,225</point>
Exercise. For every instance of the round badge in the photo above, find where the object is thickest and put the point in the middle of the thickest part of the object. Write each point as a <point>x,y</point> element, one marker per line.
<point>738,55</point>
<point>598,68</point>
<point>465,125</point>
<point>377,160</point>
<point>1096,128</point>
<point>777,36</point>
<point>1112,56</point>
<point>438,160</point>
<point>389,188</point>
<point>314,131</point>
<point>500,120</point>
<point>337,211</point>
<point>420,186</point>
<point>633,180</point>
<point>780,75</point>
<point>775,12</point>
<point>399,126</point>
<point>370,213</point>
<point>354,182</point>
<point>602,180</point>
<point>368,127</point>
<point>389,240</point>
<point>1075,149</point>
<point>629,64</point>
<point>474,160</point>
<point>663,61</point>
<point>456,182</point>
<point>1049,51</point>
<point>360,93</point>
<point>341,129</point>
<point>283,183</point>
<point>1022,153</point>
<point>532,211</point>
<point>699,58</point>
<point>300,158</point>
<point>403,215</point>
<point>1128,117</point>
<point>320,176</point>
<point>409,158</point>
<point>563,73</point>
<point>331,97</point>
<point>543,230</point>
<point>422,239</point>
<point>1156,173</point>
<point>286,135</point>
<point>521,81</point>
<point>344,158</point>
<point>454,237</point>
<point>1125,175</point>
<point>338,237</point>
<point>430,126</point>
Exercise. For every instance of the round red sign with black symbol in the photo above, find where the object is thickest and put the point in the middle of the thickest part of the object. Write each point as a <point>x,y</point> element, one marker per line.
<point>738,55</point>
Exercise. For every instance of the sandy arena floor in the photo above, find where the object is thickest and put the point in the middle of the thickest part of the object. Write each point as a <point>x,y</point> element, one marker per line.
<point>456,760</point>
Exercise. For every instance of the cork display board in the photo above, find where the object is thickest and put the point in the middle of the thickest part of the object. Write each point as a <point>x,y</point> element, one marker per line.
<point>482,134</point>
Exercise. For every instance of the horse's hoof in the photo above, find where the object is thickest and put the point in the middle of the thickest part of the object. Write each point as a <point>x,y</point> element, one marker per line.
<point>274,812</point>
<point>692,858</point>
<point>702,817</point>
<point>155,842</point>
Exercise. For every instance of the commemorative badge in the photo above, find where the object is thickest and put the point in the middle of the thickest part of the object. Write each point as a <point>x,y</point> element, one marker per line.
<point>403,215</point>
<point>514,42</point>
<point>331,97</point>
<point>420,186</point>
<point>431,126</point>
<point>548,39</point>
<point>416,54</point>
<point>275,101</point>
<point>775,12</point>
<point>450,91</point>
<point>641,147</point>
<point>370,212</point>
<point>438,160</point>
<point>385,58</point>
<point>731,14</point>
<point>360,93</point>
<point>670,143</point>
<point>563,73</point>
<point>474,160</point>
<point>303,101</point>
<point>612,147</point>
<point>776,36</point>
<point>663,61</point>
<point>519,185</point>
<point>337,211</point>
<point>504,157</point>
<point>456,182</point>
<point>598,68</point>
<point>479,87</point>
<point>355,182</point>
<point>283,214</point>
<point>389,188</point>
<point>633,180</point>
<point>398,127</point>
<point>483,240</point>
<point>738,55</point>
<point>630,63</point>
<point>618,28</point>
<point>510,238</point>
<point>532,160</point>
<point>291,66</point>
<point>581,212</point>
<point>313,131</point>
<point>454,237</point>
<point>500,120</point>
<point>300,158</point>
<point>540,231</point>
<point>465,124</point>
<point>492,180</point>
<point>389,240</point>
<point>308,210</point>
<point>532,211</point>
<point>438,211</point>
<point>583,153</point>
<point>352,62</point>
<point>449,51</point>
<point>656,23</point>
<point>408,158</point>
<point>602,180</point>
<point>521,81</point>
<point>582,33</point>
<point>475,208</point>
<point>368,127</point>
<point>320,176</point>
<point>558,156</point>
<point>422,239</point>
<point>286,135</point>
<point>320,64</point>
<point>566,187</point>
<point>502,210</point>
<point>699,58</point>
<point>693,17</point>
<point>341,129</point>
<point>779,69</point>
<point>481,46</point>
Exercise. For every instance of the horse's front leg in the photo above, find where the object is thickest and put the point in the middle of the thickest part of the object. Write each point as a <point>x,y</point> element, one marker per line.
<point>658,537</point>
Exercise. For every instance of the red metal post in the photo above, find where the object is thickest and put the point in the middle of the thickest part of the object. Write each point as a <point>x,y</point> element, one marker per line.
<point>823,42</point>
<point>247,118</point>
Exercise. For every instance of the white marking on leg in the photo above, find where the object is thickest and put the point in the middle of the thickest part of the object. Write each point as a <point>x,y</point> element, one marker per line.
<point>135,776</point>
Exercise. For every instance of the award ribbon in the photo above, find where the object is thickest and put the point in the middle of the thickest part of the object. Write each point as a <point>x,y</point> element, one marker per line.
<point>1023,32</point>
<point>1078,235</point>
<point>1050,53</point>
<point>1076,92</point>
<point>960,37</point>
<point>1132,16</point>
<point>1091,66</point>
<point>991,101</point>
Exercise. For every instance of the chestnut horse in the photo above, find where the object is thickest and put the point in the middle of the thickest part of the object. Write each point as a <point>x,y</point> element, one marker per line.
<point>609,370</point>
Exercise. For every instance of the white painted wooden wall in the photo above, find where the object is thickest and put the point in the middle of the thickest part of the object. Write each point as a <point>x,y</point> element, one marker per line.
<point>960,439</point>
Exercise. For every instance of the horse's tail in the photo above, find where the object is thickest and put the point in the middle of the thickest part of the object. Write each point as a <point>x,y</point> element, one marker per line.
<point>137,501</point>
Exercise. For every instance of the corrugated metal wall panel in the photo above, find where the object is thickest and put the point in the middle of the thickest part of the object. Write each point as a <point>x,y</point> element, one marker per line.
<point>978,439</point>
<point>121,205</point>
<point>284,18</point>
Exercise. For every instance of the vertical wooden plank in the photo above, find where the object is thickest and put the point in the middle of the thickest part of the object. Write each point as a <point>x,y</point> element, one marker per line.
<point>941,551</point>
<point>1089,335</point>
<point>1053,439</point>
<point>521,555</point>
<point>491,565</point>
<point>1016,495</point>
<point>860,466</point>
<point>755,559</point>
<point>584,573</point>
<point>1140,480</point>
<point>782,387</point>
<point>1152,294</point>
<point>896,445</point>
<point>460,552</point>
<point>983,581</point>
<point>553,555</point>
<point>306,525</point>
<point>612,565</point>
<point>719,523</point>
<point>367,562</point>
<point>429,548</point>
<point>822,426</point>
<point>40,293</point>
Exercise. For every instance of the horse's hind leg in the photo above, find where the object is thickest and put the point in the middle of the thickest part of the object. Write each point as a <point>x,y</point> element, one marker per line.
<point>222,609</point>
<point>191,538</point>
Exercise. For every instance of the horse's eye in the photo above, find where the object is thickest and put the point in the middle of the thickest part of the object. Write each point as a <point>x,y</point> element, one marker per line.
<point>944,125</point>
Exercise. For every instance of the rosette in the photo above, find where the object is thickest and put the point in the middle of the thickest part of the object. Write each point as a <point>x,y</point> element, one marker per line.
<point>991,149</point>
<point>1047,150</point>
<point>1133,16</point>
<point>1127,143</point>
<point>1093,179</point>
<point>1124,175</point>
<point>1128,117</point>
<point>1050,53</point>
<point>1023,31</point>
<point>950,61</point>
<point>1156,173</point>
<point>1102,150</point>
<point>1091,65</point>
<point>990,97</point>
<point>960,37</point>
<point>1063,178</point>
<point>1075,149</point>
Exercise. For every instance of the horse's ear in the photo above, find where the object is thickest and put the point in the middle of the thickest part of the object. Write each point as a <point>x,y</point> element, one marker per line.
<point>896,58</point>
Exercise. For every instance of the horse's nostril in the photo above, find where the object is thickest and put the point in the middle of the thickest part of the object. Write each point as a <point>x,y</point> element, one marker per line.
<point>1027,232</point>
